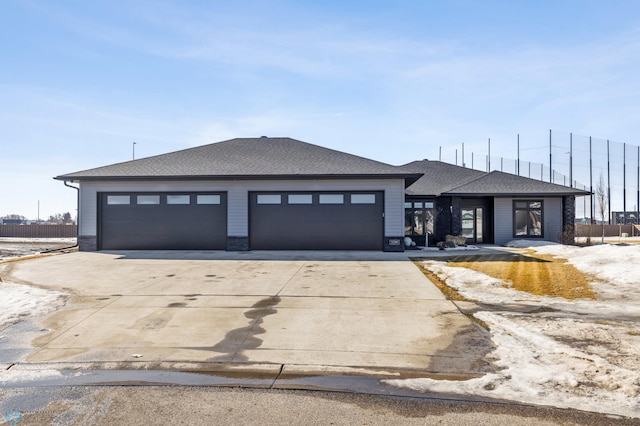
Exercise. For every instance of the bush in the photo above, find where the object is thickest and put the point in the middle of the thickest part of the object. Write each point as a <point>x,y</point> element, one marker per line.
<point>458,240</point>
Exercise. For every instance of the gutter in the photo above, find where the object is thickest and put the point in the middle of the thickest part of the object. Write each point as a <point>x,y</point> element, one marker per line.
<point>77,221</point>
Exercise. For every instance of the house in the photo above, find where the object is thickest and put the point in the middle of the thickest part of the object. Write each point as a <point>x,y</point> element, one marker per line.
<point>624,218</point>
<point>284,194</point>
<point>247,193</point>
<point>492,208</point>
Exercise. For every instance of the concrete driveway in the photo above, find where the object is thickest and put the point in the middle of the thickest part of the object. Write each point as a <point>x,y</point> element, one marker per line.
<point>285,313</point>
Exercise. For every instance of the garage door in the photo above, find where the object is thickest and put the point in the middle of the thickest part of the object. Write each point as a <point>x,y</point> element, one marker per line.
<point>316,220</point>
<point>163,221</point>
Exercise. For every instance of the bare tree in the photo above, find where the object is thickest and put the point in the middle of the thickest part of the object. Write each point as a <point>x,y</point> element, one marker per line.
<point>602,199</point>
<point>61,218</point>
<point>13,216</point>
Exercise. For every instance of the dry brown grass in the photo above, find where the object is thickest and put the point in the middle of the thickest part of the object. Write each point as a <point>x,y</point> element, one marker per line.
<point>449,292</point>
<point>542,275</point>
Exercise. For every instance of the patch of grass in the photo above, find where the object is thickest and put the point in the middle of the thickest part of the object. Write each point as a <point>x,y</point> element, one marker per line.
<point>449,292</point>
<point>476,320</point>
<point>542,275</point>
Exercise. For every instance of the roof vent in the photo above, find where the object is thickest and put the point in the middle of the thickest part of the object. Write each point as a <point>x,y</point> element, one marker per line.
<point>264,137</point>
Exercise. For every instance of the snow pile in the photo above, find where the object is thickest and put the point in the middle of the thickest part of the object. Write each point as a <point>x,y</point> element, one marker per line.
<point>18,302</point>
<point>579,354</point>
<point>16,376</point>
<point>615,267</point>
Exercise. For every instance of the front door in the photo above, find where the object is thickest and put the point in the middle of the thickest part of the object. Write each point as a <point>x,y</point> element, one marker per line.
<point>473,224</point>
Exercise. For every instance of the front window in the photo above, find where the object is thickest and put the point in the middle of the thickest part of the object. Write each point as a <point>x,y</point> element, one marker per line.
<point>418,218</point>
<point>527,219</point>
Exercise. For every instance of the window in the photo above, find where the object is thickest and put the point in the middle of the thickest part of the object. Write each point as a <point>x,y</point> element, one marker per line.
<point>363,198</point>
<point>208,199</point>
<point>331,198</point>
<point>148,199</point>
<point>118,199</point>
<point>468,222</point>
<point>178,199</point>
<point>269,199</point>
<point>527,219</point>
<point>418,219</point>
<point>300,199</point>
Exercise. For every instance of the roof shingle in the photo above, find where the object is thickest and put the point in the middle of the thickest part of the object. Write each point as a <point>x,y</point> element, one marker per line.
<point>446,179</point>
<point>246,158</point>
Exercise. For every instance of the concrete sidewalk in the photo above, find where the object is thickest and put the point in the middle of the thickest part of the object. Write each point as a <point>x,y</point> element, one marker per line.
<point>285,313</point>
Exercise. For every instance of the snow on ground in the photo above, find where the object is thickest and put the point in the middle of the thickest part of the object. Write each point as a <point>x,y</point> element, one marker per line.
<point>19,247</point>
<point>18,302</point>
<point>15,377</point>
<point>580,354</point>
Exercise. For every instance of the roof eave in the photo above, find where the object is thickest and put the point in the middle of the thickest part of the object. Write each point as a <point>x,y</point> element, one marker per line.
<point>517,194</point>
<point>409,178</point>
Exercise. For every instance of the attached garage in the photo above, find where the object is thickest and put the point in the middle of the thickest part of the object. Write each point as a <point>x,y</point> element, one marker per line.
<point>316,220</point>
<point>162,221</point>
<point>242,194</point>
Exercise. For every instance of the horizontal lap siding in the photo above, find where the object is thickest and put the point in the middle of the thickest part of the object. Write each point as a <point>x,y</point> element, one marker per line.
<point>394,209</point>
<point>553,219</point>
<point>503,218</point>
<point>238,215</point>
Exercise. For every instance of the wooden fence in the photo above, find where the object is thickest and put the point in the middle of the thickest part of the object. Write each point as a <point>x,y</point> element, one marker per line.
<point>595,231</point>
<point>39,231</point>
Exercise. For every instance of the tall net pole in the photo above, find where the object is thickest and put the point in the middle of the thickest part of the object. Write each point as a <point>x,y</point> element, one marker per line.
<point>608,185</point>
<point>591,180</point>
<point>550,160</point>
<point>624,183</point>
<point>571,160</point>
<point>518,154</point>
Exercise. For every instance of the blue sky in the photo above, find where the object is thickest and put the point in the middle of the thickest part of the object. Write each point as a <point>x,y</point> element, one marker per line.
<point>390,80</point>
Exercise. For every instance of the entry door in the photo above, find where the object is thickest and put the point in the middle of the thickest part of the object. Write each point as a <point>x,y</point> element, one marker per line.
<point>473,224</point>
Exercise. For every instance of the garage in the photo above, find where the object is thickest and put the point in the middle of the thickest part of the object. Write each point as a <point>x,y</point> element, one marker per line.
<point>162,221</point>
<point>316,220</point>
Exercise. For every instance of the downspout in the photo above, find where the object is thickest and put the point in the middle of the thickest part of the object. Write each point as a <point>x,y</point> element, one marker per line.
<point>77,221</point>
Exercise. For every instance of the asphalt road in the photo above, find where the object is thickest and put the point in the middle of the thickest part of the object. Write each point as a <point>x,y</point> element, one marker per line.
<point>188,405</point>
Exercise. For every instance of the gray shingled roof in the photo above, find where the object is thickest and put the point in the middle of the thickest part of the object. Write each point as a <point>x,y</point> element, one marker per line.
<point>247,158</point>
<point>446,179</point>
<point>500,183</point>
<point>438,177</point>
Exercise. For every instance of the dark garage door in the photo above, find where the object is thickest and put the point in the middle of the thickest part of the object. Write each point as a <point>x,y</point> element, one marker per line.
<point>163,221</point>
<point>316,221</point>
